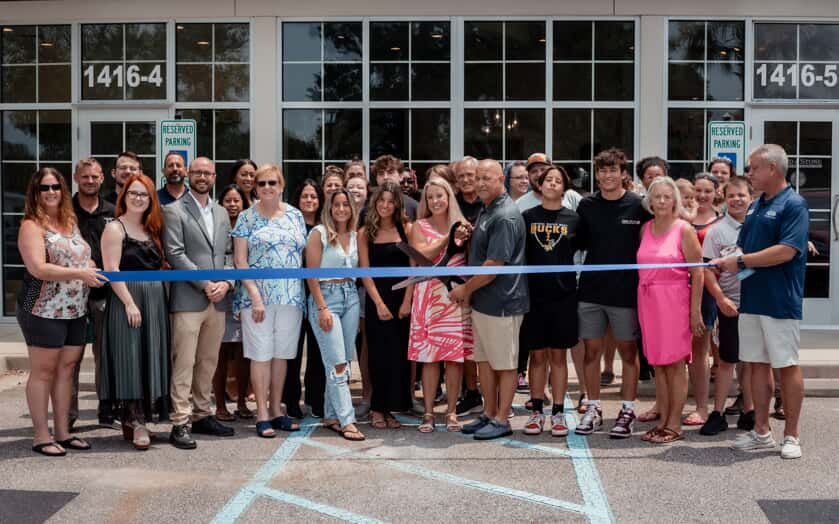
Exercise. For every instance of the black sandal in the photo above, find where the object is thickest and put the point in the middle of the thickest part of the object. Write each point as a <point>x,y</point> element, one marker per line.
<point>74,443</point>
<point>41,448</point>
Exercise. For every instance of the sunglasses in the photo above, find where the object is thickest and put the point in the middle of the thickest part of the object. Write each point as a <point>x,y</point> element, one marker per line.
<point>263,183</point>
<point>43,188</point>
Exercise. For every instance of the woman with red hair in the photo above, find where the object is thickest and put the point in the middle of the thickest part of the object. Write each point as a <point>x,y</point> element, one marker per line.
<point>134,364</point>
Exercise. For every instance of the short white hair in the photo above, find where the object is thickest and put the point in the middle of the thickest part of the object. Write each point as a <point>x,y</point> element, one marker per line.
<point>773,154</point>
<point>664,181</point>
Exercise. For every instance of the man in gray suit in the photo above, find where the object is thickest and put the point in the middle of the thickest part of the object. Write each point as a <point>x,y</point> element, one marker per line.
<point>196,235</point>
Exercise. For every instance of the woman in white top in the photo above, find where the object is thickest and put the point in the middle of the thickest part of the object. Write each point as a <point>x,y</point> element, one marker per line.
<point>333,307</point>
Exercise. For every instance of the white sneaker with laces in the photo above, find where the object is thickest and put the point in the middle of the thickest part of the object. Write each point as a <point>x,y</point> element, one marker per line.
<point>751,440</point>
<point>535,424</point>
<point>790,448</point>
<point>558,427</point>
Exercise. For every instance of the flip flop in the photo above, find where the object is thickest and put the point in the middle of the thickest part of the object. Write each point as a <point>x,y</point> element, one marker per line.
<point>651,434</point>
<point>427,425</point>
<point>452,424</point>
<point>353,436</point>
<point>74,443</point>
<point>666,436</point>
<point>333,426</point>
<point>694,419</point>
<point>41,448</point>
<point>377,422</point>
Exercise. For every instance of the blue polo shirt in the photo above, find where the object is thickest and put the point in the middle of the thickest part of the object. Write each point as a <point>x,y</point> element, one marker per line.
<point>776,291</point>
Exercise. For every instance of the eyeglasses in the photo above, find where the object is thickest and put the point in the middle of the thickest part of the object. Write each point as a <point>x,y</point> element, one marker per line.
<point>137,194</point>
<point>263,183</point>
<point>201,174</point>
<point>129,169</point>
<point>43,188</point>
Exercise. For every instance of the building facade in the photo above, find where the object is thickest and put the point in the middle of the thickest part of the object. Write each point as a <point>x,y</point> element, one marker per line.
<point>307,84</point>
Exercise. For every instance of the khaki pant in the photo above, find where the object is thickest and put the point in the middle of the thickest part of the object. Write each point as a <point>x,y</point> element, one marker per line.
<point>196,338</point>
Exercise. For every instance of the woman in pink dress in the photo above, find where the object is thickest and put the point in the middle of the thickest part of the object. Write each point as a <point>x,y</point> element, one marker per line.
<point>441,331</point>
<point>669,302</point>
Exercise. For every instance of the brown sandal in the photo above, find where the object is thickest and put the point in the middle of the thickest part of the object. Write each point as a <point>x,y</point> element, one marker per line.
<point>666,436</point>
<point>427,425</point>
<point>391,422</point>
<point>353,435</point>
<point>651,434</point>
<point>452,424</point>
<point>378,421</point>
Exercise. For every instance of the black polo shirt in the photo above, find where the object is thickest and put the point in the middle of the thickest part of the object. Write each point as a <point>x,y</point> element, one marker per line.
<point>91,226</point>
<point>470,210</point>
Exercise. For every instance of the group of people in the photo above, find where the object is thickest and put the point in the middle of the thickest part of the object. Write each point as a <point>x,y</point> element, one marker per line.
<point>162,351</point>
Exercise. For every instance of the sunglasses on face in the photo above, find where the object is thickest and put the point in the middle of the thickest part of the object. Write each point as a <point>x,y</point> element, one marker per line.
<point>263,183</point>
<point>43,188</point>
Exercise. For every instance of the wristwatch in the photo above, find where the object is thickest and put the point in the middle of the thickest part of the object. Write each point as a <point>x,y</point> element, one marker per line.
<point>740,264</point>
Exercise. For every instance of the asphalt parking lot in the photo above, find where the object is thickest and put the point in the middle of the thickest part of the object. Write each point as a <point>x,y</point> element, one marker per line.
<point>404,476</point>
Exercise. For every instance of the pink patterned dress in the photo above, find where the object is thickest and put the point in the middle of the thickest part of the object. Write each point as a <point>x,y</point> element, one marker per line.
<point>664,297</point>
<point>440,330</point>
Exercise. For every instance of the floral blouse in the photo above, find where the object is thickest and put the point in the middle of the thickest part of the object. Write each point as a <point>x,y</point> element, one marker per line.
<point>272,243</point>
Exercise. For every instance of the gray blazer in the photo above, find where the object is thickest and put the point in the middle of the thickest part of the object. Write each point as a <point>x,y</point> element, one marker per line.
<point>189,246</point>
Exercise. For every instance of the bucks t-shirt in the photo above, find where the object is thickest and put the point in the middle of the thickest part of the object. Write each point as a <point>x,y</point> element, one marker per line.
<point>610,232</point>
<point>551,240</point>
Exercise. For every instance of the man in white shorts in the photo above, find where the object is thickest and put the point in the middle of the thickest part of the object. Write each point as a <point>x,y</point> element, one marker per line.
<point>774,244</point>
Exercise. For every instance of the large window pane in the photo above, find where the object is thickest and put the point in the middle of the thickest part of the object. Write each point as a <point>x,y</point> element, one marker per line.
<point>483,40</point>
<point>482,81</point>
<point>483,133</point>
<point>687,40</point>
<point>781,133</point>
<point>686,81</point>
<point>232,42</point>
<point>614,128</point>
<point>54,44</point>
<point>389,81</point>
<point>726,40</point>
<point>614,81</point>
<point>525,81</point>
<point>430,41</point>
<point>194,82</point>
<point>232,133</point>
<point>430,81</point>
<point>301,82</point>
<point>525,132</point>
<point>572,40</point>
<point>430,132</point>
<point>614,40</point>
<point>55,136</point>
<point>20,139</point>
<point>194,43</point>
<point>389,40</point>
<point>18,84</point>
<point>572,134</point>
<point>54,83</point>
<point>572,81</point>
<point>343,134</point>
<point>342,82</point>
<point>301,41</point>
<point>18,44</point>
<point>302,134</point>
<point>775,41</point>
<point>102,42</point>
<point>525,40</point>
<point>725,81</point>
<point>815,139</point>
<point>232,82</point>
<point>342,41</point>
<point>145,42</point>
<point>685,131</point>
<point>389,132</point>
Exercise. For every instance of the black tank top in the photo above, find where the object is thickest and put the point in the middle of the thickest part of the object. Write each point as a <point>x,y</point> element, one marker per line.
<point>139,255</point>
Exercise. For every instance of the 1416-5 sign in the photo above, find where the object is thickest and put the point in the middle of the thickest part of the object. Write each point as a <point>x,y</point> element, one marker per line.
<point>120,75</point>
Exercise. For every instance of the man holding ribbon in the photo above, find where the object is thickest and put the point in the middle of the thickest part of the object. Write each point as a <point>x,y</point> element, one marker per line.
<point>196,236</point>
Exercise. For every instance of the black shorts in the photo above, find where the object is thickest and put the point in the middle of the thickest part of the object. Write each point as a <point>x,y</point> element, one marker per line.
<point>729,339</point>
<point>709,310</point>
<point>52,332</point>
<point>550,325</point>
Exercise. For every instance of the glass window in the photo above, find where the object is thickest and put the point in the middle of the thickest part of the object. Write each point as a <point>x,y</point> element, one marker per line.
<point>123,61</point>
<point>212,62</point>
<point>504,60</point>
<point>29,140</point>
<point>409,61</point>
<point>35,64</point>
<point>796,61</point>
<point>503,134</point>
<point>223,135</point>
<point>322,61</point>
<point>706,60</point>
<point>687,131</point>
<point>594,60</point>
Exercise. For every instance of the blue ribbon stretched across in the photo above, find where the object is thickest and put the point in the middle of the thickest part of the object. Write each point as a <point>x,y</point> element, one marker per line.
<point>179,275</point>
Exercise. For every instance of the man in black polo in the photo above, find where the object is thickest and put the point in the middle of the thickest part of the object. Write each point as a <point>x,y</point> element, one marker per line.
<point>93,214</point>
<point>175,171</point>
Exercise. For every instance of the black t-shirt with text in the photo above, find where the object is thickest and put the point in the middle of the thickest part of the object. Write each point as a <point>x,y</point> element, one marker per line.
<point>551,240</point>
<point>610,232</point>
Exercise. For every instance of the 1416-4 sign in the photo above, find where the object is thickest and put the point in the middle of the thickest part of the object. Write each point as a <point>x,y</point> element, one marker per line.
<point>121,75</point>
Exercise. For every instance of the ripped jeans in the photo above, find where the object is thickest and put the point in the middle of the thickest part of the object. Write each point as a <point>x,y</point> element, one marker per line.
<point>337,346</point>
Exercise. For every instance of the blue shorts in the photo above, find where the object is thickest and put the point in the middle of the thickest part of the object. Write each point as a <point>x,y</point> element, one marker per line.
<point>709,310</point>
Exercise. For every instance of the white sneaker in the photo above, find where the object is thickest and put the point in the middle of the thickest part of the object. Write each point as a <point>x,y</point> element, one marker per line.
<point>790,448</point>
<point>558,427</point>
<point>535,424</point>
<point>751,440</point>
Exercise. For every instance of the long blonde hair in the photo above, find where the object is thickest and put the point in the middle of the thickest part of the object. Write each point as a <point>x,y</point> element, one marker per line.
<point>329,223</point>
<point>453,212</point>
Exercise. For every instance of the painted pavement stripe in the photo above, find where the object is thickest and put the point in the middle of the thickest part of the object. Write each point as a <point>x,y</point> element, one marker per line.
<point>311,505</point>
<point>240,502</point>
<point>456,480</point>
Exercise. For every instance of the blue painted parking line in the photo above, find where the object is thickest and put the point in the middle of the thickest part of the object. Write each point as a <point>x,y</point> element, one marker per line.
<point>311,505</point>
<point>454,479</point>
<point>243,499</point>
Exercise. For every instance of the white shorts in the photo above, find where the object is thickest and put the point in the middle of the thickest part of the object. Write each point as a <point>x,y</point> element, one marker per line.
<point>275,337</point>
<point>768,340</point>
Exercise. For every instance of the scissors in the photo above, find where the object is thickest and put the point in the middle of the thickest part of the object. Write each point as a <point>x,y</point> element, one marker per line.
<point>452,249</point>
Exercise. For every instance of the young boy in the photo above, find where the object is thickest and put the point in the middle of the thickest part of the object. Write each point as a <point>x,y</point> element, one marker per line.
<point>721,241</point>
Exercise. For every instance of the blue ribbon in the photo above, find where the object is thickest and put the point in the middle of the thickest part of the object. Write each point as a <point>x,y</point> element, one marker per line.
<point>181,275</point>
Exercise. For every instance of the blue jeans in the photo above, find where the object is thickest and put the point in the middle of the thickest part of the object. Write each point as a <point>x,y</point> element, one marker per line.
<point>337,346</point>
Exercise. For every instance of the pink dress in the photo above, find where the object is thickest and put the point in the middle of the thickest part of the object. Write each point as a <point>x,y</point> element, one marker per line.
<point>664,297</point>
<point>440,330</point>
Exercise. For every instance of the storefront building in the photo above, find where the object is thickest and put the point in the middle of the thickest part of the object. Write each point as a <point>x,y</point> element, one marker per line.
<point>310,84</point>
